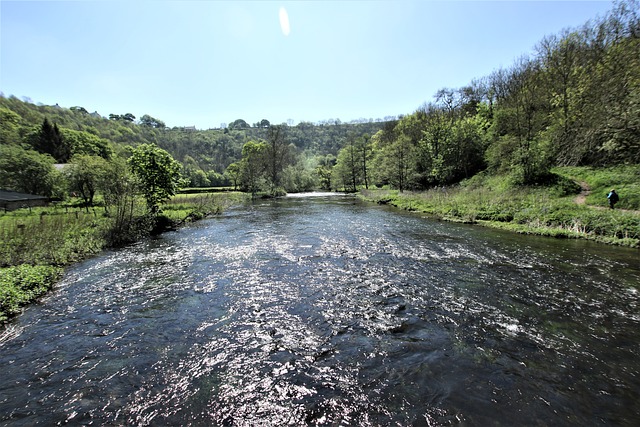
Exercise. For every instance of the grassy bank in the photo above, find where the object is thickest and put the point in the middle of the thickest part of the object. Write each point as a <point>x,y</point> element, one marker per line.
<point>36,244</point>
<point>546,210</point>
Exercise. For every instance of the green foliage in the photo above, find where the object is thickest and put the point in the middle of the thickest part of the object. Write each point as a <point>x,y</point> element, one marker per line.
<point>37,243</point>
<point>48,140</point>
<point>395,164</point>
<point>147,120</point>
<point>50,236</point>
<point>239,124</point>
<point>85,143</point>
<point>85,175</point>
<point>158,172</point>
<point>624,178</point>
<point>547,210</point>
<point>22,284</point>
<point>252,166</point>
<point>28,171</point>
<point>9,126</point>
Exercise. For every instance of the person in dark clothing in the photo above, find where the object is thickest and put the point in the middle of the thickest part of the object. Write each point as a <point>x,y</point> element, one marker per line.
<point>613,198</point>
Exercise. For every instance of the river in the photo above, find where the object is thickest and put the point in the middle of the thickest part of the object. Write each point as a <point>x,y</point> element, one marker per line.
<point>330,311</point>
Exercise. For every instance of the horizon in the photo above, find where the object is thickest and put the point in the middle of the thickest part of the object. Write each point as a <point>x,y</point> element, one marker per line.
<point>209,63</point>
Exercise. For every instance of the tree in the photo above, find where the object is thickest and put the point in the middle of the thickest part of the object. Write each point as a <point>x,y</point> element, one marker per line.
<point>28,171</point>
<point>48,140</point>
<point>118,186</point>
<point>126,117</point>
<point>84,174</point>
<point>149,121</point>
<point>348,168</point>
<point>561,61</point>
<point>252,165</point>
<point>364,146</point>
<point>158,173</point>
<point>520,120</point>
<point>233,172</point>
<point>277,155</point>
<point>78,109</point>
<point>85,143</point>
<point>9,126</point>
<point>395,163</point>
<point>239,124</point>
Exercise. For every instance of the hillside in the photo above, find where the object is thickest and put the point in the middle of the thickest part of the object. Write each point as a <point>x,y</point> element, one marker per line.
<point>572,102</point>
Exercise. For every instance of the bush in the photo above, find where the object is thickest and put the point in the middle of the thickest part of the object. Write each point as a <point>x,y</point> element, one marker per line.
<point>22,284</point>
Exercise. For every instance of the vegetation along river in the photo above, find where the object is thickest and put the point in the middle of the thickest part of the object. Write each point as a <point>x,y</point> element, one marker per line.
<point>328,311</point>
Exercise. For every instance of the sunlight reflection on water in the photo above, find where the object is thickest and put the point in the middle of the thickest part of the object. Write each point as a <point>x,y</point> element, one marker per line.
<point>323,311</point>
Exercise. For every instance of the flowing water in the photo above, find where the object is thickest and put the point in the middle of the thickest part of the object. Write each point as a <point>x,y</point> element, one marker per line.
<point>328,311</point>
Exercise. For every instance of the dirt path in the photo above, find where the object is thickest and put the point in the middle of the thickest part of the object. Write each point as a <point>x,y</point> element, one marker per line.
<point>585,191</point>
<point>582,197</point>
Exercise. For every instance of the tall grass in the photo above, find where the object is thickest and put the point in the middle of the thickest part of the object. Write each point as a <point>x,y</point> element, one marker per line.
<point>36,243</point>
<point>50,237</point>
<point>21,284</point>
<point>187,207</point>
<point>625,179</point>
<point>549,210</point>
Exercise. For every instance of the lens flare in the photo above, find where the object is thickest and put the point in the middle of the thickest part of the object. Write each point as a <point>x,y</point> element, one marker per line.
<point>284,21</point>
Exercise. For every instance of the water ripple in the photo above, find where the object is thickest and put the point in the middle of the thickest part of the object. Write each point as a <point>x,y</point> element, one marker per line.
<point>324,311</point>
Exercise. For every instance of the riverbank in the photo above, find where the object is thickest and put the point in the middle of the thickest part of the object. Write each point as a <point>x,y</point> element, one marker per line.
<point>547,210</point>
<point>37,244</point>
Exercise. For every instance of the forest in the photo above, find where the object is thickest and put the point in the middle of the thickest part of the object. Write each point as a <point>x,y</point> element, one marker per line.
<point>573,101</point>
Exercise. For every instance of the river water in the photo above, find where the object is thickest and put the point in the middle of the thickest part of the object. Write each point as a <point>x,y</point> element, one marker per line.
<point>328,311</point>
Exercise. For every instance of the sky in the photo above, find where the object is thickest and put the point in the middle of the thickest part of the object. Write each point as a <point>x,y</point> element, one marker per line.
<point>205,63</point>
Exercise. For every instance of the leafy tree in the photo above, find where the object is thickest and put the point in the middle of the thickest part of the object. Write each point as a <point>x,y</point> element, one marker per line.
<point>277,155</point>
<point>85,143</point>
<point>324,170</point>
<point>348,168</point>
<point>561,59</point>
<point>158,173</point>
<point>80,110</point>
<point>364,147</point>
<point>216,179</point>
<point>48,140</point>
<point>395,163</point>
<point>252,165</point>
<point>119,186</point>
<point>28,171</point>
<point>520,119</point>
<point>239,124</point>
<point>124,117</point>
<point>147,120</point>
<point>234,172</point>
<point>9,126</point>
<point>297,177</point>
<point>84,175</point>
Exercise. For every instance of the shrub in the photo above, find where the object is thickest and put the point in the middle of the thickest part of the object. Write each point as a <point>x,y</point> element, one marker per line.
<point>22,284</point>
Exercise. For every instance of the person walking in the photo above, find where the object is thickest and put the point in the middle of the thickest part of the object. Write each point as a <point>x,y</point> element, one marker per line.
<point>613,198</point>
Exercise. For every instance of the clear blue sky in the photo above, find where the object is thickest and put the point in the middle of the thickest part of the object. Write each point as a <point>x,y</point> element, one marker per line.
<point>204,63</point>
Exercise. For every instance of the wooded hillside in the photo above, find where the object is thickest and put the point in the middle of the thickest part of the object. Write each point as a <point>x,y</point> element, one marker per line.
<point>574,101</point>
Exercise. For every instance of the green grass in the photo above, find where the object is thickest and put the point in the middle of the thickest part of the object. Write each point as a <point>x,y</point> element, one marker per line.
<point>188,207</point>
<point>35,244</point>
<point>49,236</point>
<point>544,210</point>
<point>625,179</point>
<point>23,284</point>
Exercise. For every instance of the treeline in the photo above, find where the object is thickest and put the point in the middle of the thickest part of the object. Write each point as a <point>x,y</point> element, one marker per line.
<point>574,101</point>
<point>205,155</point>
